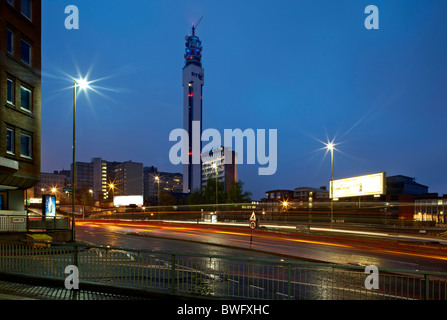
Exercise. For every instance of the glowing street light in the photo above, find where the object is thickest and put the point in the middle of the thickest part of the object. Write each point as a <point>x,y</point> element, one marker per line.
<point>330,146</point>
<point>157,178</point>
<point>83,84</point>
<point>215,169</point>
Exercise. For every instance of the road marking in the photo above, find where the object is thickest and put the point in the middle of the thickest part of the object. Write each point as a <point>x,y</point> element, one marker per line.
<point>256,287</point>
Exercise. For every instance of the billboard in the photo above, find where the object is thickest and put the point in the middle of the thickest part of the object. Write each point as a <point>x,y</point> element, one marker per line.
<point>48,205</point>
<point>370,184</point>
<point>124,201</point>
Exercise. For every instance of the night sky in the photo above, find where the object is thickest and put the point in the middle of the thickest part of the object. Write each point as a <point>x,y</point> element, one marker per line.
<point>309,69</point>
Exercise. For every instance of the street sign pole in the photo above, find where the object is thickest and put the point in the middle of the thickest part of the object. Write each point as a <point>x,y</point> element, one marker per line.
<point>252,226</point>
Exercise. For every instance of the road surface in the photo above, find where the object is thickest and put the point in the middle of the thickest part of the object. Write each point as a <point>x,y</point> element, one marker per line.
<point>235,241</point>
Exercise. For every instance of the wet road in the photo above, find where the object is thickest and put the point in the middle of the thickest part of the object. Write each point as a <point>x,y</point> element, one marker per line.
<point>230,241</point>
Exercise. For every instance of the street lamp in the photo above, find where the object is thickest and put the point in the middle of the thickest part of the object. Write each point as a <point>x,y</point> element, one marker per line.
<point>83,84</point>
<point>215,168</point>
<point>331,146</point>
<point>157,178</point>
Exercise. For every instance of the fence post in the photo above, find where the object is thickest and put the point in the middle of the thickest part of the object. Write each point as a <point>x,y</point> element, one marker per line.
<point>75,255</point>
<point>289,276</point>
<point>427,287</point>
<point>173,273</point>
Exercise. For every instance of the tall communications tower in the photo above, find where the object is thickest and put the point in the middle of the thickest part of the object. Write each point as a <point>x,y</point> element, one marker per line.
<point>193,80</point>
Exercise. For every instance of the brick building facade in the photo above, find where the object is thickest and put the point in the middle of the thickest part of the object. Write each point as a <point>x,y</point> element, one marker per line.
<point>20,100</point>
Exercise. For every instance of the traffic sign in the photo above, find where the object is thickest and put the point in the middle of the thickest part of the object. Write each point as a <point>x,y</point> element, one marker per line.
<point>253,217</point>
<point>252,225</point>
<point>253,221</point>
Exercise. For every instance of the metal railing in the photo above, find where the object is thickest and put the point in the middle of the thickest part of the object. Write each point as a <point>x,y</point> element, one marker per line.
<point>49,224</point>
<point>213,276</point>
<point>24,223</point>
<point>13,223</point>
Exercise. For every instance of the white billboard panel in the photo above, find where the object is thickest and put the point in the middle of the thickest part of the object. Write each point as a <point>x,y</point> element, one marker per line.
<point>370,184</point>
<point>123,201</point>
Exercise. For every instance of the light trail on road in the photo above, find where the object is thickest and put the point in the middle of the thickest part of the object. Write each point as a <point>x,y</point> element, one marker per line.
<point>345,250</point>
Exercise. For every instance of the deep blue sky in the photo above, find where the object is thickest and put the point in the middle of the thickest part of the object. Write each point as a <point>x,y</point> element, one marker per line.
<point>309,69</point>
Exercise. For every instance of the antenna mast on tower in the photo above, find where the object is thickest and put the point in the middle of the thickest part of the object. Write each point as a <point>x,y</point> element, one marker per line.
<point>194,27</point>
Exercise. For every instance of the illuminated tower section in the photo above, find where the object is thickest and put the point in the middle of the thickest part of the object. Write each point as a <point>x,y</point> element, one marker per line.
<point>192,110</point>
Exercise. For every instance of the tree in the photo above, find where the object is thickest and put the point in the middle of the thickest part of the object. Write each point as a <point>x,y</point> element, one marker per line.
<point>195,197</point>
<point>166,199</point>
<point>209,194</point>
<point>85,196</point>
<point>236,194</point>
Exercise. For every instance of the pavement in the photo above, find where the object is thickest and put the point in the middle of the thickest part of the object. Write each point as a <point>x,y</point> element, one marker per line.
<point>17,290</point>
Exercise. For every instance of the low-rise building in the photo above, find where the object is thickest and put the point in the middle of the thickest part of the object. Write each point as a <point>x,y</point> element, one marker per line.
<point>431,209</point>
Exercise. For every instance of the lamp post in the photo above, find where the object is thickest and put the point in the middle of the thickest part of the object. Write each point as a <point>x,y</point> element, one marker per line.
<point>82,84</point>
<point>285,204</point>
<point>112,187</point>
<point>215,169</point>
<point>330,146</point>
<point>157,178</point>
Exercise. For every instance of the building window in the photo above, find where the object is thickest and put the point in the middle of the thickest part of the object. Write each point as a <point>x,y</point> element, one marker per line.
<point>9,141</point>
<point>25,145</point>
<point>26,8</point>
<point>25,52</point>
<point>26,98</point>
<point>10,91</point>
<point>10,41</point>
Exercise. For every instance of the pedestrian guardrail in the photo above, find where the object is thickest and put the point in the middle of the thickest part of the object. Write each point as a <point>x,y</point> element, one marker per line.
<point>25,223</point>
<point>13,223</point>
<point>214,276</point>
